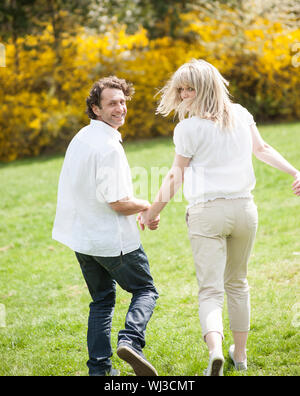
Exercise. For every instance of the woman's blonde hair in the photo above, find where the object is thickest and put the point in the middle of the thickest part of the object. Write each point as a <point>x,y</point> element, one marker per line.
<point>212,100</point>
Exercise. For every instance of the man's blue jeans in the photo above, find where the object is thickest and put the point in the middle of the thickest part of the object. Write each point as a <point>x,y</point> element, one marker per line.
<point>131,271</point>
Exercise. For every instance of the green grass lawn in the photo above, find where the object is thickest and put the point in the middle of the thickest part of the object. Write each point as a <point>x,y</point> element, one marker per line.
<point>46,300</point>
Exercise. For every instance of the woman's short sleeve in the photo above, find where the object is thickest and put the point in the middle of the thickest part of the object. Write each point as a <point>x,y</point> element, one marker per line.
<point>244,113</point>
<point>183,142</point>
<point>249,117</point>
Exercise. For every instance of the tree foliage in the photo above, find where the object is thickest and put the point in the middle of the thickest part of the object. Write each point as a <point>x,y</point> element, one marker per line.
<point>60,49</point>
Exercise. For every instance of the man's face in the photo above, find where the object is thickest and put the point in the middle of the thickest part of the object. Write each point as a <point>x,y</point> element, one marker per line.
<point>113,107</point>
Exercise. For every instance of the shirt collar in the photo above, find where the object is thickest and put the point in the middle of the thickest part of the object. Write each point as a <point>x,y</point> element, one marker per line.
<point>107,128</point>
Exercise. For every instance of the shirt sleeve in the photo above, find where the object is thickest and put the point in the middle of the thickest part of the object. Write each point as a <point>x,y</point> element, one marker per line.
<point>183,142</point>
<point>249,117</point>
<point>113,178</point>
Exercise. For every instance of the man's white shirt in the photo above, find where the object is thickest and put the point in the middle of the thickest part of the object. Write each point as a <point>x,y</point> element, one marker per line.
<point>95,173</point>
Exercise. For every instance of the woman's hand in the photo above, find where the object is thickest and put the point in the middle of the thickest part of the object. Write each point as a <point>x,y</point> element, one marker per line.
<point>143,219</point>
<point>296,184</point>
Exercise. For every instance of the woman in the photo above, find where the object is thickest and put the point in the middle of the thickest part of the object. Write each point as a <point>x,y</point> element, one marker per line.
<point>213,154</point>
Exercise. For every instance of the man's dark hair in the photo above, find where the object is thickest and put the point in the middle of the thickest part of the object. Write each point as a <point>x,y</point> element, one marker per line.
<point>94,97</point>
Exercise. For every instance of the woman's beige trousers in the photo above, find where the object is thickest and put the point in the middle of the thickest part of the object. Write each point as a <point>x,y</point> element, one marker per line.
<point>222,234</point>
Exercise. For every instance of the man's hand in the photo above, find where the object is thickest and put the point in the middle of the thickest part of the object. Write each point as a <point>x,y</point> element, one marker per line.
<point>143,220</point>
<point>139,219</point>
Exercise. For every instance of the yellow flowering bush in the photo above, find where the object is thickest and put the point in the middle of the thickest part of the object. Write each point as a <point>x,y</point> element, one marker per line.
<point>43,88</point>
<point>257,60</point>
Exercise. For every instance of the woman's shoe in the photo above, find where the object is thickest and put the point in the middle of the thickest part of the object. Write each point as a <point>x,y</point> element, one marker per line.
<point>240,366</point>
<point>215,365</point>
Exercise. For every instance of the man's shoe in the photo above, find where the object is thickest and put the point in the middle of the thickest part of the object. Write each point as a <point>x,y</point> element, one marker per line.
<point>240,366</point>
<point>215,365</point>
<point>136,359</point>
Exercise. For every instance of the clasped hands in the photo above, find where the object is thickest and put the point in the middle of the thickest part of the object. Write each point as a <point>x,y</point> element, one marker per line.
<point>296,184</point>
<point>144,219</point>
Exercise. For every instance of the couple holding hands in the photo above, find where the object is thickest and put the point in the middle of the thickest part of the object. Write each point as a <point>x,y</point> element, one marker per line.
<point>96,212</point>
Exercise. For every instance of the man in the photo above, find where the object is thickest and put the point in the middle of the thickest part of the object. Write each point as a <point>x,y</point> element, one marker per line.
<point>95,218</point>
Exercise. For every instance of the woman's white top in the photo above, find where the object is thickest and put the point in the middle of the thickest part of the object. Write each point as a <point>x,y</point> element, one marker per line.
<point>221,161</point>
